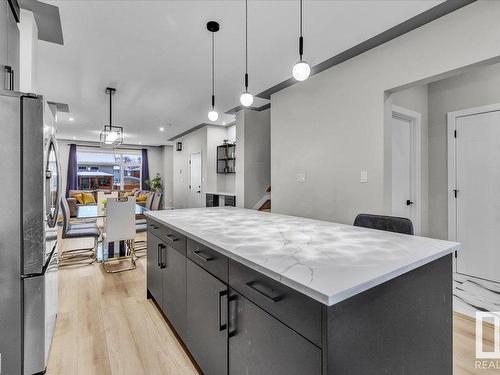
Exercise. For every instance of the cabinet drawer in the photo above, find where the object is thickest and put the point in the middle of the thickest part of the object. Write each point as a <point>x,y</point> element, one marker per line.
<point>296,310</point>
<point>170,236</point>
<point>208,259</point>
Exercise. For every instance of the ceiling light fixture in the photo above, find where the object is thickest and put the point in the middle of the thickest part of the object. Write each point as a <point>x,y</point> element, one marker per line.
<point>246,98</point>
<point>213,27</point>
<point>111,136</point>
<point>162,128</point>
<point>71,119</point>
<point>301,70</point>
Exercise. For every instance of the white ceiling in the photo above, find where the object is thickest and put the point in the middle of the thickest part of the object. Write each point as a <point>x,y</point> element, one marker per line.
<point>157,55</point>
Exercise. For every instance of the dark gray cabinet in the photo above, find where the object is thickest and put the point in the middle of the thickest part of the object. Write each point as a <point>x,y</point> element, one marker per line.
<point>154,270</point>
<point>206,335</point>
<point>174,288</point>
<point>261,344</point>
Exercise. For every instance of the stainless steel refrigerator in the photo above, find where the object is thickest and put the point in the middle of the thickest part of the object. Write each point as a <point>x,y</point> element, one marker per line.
<point>30,187</point>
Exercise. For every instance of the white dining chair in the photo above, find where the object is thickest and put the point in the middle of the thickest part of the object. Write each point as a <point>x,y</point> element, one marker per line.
<point>119,233</point>
<point>102,196</point>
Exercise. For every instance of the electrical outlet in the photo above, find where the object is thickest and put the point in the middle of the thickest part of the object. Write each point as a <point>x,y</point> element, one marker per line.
<point>300,177</point>
<point>364,177</point>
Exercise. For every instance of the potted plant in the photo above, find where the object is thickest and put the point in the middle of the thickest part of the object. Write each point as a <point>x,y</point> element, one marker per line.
<point>155,184</point>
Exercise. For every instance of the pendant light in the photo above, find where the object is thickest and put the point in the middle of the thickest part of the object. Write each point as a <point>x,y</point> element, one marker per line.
<point>213,27</point>
<point>246,98</point>
<point>301,70</point>
<point>111,136</point>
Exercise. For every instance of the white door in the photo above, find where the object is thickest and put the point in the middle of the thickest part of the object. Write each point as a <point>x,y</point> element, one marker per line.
<point>405,165</point>
<point>195,196</point>
<point>477,174</point>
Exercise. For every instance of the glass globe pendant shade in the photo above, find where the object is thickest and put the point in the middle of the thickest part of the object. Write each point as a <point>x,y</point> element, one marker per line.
<point>213,115</point>
<point>246,99</point>
<point>301,71</point>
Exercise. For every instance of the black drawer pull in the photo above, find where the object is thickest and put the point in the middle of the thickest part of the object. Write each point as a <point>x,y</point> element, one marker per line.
<point>171,236</point>
<point>222,326</point>
<point>200,255</point>
<point>254,286</point>
<point>153,226</point>
<point>163,253</point>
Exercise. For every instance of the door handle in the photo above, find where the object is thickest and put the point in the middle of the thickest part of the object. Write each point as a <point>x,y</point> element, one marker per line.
<point>222,326</point>
<point>232,302</point>
<point>200,255</point>
<point>409,202</point>
<point>254,286</point>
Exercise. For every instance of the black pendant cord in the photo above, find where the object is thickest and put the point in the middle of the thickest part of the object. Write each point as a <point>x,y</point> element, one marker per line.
<point>213,71</point>
<point>246,45</point>
<point>110,109</point>
<point>301,38</point>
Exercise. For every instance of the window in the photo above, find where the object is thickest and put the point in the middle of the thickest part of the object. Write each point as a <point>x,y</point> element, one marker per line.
<point>118,170</point>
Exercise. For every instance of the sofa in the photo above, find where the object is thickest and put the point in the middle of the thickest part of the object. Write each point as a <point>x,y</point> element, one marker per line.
<point>77,198</point>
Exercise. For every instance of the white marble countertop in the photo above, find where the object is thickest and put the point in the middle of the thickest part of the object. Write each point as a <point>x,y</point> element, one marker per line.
<point>327,261</point>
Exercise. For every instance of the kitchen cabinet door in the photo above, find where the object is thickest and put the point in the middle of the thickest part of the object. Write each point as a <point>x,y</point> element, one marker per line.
<point>154,271</point>
<point>259,344</point>
<point>206,320</point>
<point>174,289</point>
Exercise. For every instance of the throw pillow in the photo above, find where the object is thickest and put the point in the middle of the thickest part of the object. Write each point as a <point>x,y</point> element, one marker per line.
<point>142,197</point>
<point>78,197</point>
<point>88,198</point>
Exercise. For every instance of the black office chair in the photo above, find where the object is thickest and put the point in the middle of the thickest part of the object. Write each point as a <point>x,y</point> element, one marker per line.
<point>387,223</point>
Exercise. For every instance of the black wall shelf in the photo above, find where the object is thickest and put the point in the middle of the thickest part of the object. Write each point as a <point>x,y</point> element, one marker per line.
<point>226,158</point>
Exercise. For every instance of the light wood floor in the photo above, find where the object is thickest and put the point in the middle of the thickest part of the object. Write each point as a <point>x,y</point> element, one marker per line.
<point>107,326</point>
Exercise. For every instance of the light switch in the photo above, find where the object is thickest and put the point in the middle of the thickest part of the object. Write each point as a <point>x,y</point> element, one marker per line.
<point>300,177</point>
<point>364,177</point>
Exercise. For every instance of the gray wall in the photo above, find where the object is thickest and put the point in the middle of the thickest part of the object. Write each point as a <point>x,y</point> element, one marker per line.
<point>168,176</point>
<point>253,156</point>
<point>478,87</point>
<point>416,99</point>
<point>332,126</point>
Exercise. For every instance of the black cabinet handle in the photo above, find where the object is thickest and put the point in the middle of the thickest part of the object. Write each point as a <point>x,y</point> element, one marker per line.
<point>232,302</point>
<point>205,258</point>
<point>172,237</point>
<point>254,286</point>
<point>163,253</point>
<point>153,226</point>
<point>158,255</point>
<point>222,326</point>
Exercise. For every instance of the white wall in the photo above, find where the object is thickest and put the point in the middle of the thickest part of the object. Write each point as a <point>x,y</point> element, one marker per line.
<point>478,87</point>
<point>416,99</point>
<point>192,143</point>
<point>332,125</point>
<point>28,52</point>
<point>168,176</point>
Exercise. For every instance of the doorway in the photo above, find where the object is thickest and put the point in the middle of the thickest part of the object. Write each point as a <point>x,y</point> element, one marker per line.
<point>195,196</point>
<point>473,183</point>
<point>406,169</point>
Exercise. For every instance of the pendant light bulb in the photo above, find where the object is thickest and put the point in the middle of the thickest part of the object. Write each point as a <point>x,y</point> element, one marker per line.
<point>246,99</point>
<point>301,71</point>
<point>213,115</point>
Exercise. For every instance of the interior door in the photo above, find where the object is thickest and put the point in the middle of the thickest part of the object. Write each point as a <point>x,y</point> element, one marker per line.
<point>478,198</point>
<point>195,196</point>
<point>403,199</point>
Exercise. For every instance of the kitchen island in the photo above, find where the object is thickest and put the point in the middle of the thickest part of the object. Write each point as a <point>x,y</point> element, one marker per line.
<point>250,292</point>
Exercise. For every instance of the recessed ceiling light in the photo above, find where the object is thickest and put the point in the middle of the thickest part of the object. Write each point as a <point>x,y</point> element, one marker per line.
<point>140,143</point>
<point>71,119</point>
<point>223,123</point>
<point>74,137</point>
<point>162,128</point>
